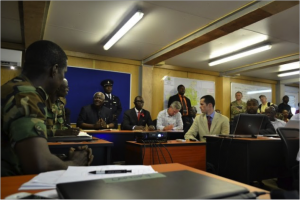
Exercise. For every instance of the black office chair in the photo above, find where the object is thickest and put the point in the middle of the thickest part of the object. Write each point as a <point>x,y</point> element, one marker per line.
<point>290,139</point>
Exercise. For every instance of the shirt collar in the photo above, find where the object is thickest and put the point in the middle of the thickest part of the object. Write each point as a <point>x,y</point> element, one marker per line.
<point>211,115</point>
<point>136,110</point>
<point>167,114</point>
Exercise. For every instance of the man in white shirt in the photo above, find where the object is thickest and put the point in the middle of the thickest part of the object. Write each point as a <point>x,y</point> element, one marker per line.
<point>170,118</point>
<point>271,112</point>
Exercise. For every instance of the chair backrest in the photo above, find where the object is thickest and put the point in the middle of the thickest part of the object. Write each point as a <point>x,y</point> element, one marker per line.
<point>154,123</point>
<point>290,138</point>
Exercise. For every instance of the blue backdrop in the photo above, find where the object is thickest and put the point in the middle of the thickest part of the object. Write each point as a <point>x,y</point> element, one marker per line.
<point>84,83</point>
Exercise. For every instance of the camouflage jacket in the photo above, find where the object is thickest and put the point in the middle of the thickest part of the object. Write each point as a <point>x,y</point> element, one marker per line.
<point>55,116</point>
<point>23,115</point>
<point>236,108</point>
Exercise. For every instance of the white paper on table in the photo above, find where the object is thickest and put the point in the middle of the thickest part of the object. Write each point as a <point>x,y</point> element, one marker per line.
<point>81,133</point>
<point>74,174</point>
<point>46,180</point>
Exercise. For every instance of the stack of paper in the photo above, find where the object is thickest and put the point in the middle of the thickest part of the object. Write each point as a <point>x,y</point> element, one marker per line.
<point>48,180</point>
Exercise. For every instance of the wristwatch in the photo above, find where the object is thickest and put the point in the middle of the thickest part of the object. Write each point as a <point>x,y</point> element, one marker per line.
<point>107,126</point>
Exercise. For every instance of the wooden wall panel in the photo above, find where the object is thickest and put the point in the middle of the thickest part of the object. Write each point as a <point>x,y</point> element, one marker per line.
<point>80,62</point>
<point>8,74</point>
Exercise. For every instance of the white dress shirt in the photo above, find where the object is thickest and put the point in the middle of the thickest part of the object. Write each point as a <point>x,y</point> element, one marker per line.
<point>164,119</point>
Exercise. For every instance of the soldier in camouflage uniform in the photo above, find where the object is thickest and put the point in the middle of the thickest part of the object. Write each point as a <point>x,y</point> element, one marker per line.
<point>56,120</point>
<point>24,148</point>
<point>238,106</point>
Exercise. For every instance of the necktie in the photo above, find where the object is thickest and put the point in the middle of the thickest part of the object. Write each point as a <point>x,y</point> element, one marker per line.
<point>139,114</point>
<point>208,121</point>
<point>184,110</point>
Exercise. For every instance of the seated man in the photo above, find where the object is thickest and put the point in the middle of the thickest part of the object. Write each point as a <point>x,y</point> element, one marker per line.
<point>271,112</point>
<point>56,118</point>
<point>209,122</point>
<point>137,118</point>
<point>266,127</point>
<point>188,121</point>
<point>24,147</point>
<point>96,116</point>
<point>170,118</point>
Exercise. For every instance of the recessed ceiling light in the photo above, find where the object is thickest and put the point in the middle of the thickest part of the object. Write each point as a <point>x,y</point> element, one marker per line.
<point>240,55</point>
<point>289,73</point>
<point>289,66</point>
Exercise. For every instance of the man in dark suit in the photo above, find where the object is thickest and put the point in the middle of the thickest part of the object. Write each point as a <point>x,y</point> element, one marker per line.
<point>266,127</point>
<point>137,117</point>
<point>111,101</point>
<point>185,102</point>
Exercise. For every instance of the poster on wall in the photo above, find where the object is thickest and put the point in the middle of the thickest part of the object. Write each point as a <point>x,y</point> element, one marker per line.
<point>194,89</point>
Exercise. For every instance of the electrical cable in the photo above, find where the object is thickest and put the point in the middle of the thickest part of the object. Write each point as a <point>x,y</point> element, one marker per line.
<point>162,154</point>
<point>157,153</point>
<point>167,151</point>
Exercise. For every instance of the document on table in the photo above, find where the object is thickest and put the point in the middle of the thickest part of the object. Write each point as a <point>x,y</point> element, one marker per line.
<point>81,133</point>
<point>48,180</point>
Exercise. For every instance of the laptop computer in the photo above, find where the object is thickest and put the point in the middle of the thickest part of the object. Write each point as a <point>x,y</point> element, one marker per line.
<point>248,126</point>
<point>292,124</point>
<point>69,139</point>
<point>175,185</point>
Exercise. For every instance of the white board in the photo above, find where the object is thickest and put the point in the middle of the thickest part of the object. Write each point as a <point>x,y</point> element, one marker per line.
<point>251,91</point>
<point>194,89</point>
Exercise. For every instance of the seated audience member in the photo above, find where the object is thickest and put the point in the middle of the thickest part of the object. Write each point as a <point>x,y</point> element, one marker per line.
<point>297,111</point>
<point>285,106</point>
<point>271,112</point>
<point>285,115</point>
<point>170,118</point>
<point>209,122</point>
<point>96,116</point>
<point>24,147</point>
<point>264,104</point>
<point>266,127</point>
<point>137,117</point>
<point>56,121</point>
<point>188,121</point>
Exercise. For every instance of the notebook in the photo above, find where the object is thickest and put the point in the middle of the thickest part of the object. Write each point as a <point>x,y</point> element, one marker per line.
<point>69,139</point>
<point>248,126</point>
<point>175,185</point>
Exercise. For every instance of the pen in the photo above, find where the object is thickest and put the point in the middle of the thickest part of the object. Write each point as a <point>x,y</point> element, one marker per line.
<point>110,171</point>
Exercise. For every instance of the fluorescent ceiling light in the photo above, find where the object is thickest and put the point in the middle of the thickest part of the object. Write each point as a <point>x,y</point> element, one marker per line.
<point>259,91</point>
<point>125,28</point>
<point>238,46</point>
<point>289,73</point>
<point>240,55</point>
<point>289,66</point>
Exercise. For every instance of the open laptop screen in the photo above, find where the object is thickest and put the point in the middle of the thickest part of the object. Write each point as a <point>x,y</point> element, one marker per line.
<point>248,125</point>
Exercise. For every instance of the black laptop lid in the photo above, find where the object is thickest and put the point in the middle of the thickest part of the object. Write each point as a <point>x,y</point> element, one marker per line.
<point>248,124</point>
<point>176,185</point>
<point>69,139</point>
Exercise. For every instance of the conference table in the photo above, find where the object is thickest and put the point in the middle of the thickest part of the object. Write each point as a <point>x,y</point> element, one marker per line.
<point>10,185</point>
<point>120,137</point>
<point>245,159</point>
<point>101,149</point>
<point>189,153</point>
